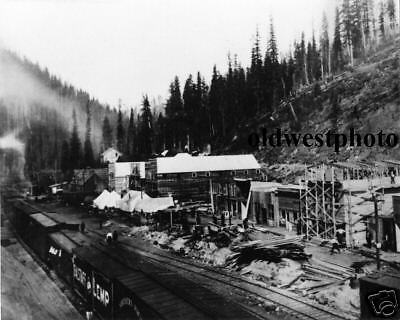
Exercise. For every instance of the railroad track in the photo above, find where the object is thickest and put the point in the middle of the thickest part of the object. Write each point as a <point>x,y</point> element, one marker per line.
<point>287,301</point>
<point>291,303</point>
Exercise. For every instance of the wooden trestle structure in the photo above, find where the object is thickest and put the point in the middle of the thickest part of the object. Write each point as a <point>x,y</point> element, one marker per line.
<point>320,202</point>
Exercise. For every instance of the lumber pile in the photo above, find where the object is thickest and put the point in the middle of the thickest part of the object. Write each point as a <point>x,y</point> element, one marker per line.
<point>272,250</point>
<point>325,269</point>
<point>319,275</point>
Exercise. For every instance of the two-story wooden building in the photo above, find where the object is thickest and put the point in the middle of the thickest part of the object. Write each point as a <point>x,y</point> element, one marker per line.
<point>187,177</point>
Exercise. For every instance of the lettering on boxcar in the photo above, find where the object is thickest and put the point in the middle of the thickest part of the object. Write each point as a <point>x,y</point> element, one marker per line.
<point>126,302</point>
<point>80,275</point>
<point>100,293</point>
<point>54,251</point>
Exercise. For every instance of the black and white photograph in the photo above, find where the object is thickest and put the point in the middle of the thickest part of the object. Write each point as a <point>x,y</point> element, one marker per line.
<point>200,159</point>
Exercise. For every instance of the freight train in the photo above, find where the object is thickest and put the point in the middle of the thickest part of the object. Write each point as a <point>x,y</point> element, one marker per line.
<point>110,281</point>
<point>96,278</point>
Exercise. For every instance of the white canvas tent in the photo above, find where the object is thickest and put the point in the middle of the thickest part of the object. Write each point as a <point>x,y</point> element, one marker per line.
<point>151,205</point>
<point>107,199</point>
<point>130,200</point>
<point>114,200</point>
<point>101,201</point>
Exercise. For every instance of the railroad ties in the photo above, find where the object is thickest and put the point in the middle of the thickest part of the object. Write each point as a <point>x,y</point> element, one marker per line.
<point>115,282</point>
<point>122,276</point>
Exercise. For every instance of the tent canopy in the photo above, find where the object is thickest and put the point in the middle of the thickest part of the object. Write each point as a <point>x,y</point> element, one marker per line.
<point>151,205</point>
<point>132,201</point>
<point>107,199</point>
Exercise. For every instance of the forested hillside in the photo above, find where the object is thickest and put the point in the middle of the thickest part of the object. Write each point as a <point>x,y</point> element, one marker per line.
<point>42,112</point>
<point>365,98</point>
<point>344,75</point>
<point>225,111</point>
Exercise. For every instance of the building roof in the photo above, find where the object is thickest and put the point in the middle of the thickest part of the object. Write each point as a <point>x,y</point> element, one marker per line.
<point>184,162</point>
<point>81,176</point>
<point>363,207</point>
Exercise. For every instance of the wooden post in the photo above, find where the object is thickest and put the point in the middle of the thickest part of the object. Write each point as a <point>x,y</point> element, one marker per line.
<point>333,204</point>
<point>377,244</point>
<point>350,222</point>
<point>212,197</point>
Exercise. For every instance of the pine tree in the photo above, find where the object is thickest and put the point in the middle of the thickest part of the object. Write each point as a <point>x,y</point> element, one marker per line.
<point>337,49</point>
<point>189,105</point>
<point>201,119</point>
<point>130,137</point>
<point>216,105</point>
<point>272,46</point>
<point>146,130</point>
<point>357,32</point>
<point>325,48</point>
<point>107,134</point>
<point>175,115</point>
<point>159,133</point>
<point>367,13</point>
<point>120,132</point>
<point>303,53</point>
<point>65,157</point>
<point>255,77</point>
<point>256,59</point>
<point>347,24</point>
<point>75,145</point>
<point>313,61</point>
<point>391,10</point>
<point>382,20</point>
<point>88,150</point>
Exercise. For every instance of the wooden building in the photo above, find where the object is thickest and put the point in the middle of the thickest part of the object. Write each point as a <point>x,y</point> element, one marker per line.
<point>274,204</point>
<point>89,180</point>
<point>120,175</point>
<point>388,223</point>
<point>187,177</point>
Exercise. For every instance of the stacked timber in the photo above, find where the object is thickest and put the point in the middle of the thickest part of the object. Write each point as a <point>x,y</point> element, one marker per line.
<point>325,269</point>
<point>272,250</point>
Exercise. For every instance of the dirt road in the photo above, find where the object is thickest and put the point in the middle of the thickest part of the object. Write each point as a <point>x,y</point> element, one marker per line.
<point>27,293</point>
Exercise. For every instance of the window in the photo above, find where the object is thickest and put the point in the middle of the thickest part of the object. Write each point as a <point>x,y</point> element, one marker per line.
<point>258,171</point>
<point>194,174</point>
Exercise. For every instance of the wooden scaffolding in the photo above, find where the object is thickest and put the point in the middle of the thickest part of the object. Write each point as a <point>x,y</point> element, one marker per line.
<point>320,202</point>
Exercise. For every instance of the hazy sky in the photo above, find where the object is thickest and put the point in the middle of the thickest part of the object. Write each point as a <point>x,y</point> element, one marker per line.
<point>123,49</point>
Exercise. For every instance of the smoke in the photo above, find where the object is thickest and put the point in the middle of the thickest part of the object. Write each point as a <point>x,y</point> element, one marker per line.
<point>12,158</point>
<point>21,89</point>
<point>10,141</point>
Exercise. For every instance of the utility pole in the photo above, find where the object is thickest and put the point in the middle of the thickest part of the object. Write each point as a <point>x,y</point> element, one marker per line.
<point>377,244</point>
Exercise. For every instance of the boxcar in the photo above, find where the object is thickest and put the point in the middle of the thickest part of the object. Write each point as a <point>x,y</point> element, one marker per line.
<point>37,234</point>
<point>19,216</point>
<point>59,255</point>
<point>97,277</point>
